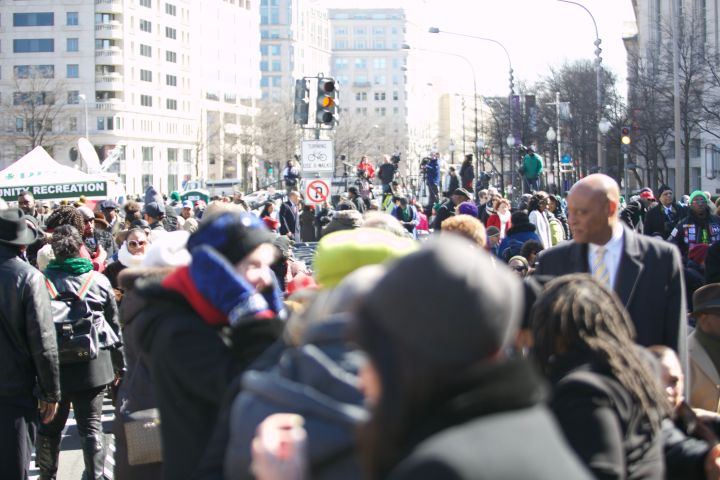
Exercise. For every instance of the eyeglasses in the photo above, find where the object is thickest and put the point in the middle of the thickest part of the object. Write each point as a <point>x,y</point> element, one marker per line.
<point>137,243</point>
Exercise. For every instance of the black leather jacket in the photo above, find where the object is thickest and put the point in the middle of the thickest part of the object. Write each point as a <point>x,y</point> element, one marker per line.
<point>28,349</point>
<point>100,371</point>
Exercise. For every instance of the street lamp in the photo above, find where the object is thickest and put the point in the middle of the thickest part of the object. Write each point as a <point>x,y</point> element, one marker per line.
<point>598,83</point>
<point>551,136</point>
<point>84,99</point>
<point>405,46</point>
<point>603,129</point>
<point>451,147</point>
<point>510,140</point>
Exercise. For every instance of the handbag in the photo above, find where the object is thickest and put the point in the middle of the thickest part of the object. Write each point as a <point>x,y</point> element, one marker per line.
<point>142,431</point>
<point>142,434</point>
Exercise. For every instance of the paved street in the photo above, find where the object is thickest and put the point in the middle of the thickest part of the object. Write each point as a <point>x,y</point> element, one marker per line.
<point>71,458</point>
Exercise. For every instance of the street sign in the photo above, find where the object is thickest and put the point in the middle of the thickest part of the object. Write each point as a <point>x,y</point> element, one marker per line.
<point>317,191</point>
<point>566,158</point>
<point>318,156</point>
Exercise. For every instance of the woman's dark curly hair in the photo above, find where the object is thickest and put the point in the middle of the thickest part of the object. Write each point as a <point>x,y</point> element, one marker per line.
<point>535,200</point>
<point>66,242</point>
<point>65,215</point>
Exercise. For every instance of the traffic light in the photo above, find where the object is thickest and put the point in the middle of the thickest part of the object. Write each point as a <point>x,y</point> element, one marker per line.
<point>625,139</point>
<point>302,105</point>
<point>326,102</point>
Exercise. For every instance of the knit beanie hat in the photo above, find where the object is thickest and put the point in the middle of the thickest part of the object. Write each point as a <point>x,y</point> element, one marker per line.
<point>697,193</point>
<point>340,253</point>
<point>233,234</point>
<point>468,208</point>
<point>453,315</point>
<point>492,231</point>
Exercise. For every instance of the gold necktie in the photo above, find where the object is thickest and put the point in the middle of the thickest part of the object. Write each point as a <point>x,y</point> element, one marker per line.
<point>600,271</point>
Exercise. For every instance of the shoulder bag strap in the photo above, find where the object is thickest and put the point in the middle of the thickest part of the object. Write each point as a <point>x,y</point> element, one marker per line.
<point>86,285</point>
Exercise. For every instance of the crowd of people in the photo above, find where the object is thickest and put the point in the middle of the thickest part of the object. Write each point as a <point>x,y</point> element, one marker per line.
<point>557,337</point>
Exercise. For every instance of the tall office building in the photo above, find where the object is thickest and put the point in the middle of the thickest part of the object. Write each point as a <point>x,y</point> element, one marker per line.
<point>295,42</point>
<point>130,73</point>
<point>369,63</point>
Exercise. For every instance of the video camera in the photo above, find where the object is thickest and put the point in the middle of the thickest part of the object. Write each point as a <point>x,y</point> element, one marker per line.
<point>395,158</point>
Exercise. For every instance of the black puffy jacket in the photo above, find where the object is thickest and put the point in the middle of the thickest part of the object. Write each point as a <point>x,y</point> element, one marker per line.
<point>28,349</point>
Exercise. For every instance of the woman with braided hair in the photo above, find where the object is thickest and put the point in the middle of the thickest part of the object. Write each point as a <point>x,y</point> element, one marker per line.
<point>606,399</point>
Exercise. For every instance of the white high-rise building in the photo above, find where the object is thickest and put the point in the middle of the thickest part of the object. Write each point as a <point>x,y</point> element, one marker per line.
<point>295,43</point>
<point>145,75</point>
<point>369,63</point>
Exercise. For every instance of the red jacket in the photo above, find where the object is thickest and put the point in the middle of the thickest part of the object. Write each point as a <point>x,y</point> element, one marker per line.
<point>368,169</point>
<point>494,221</point>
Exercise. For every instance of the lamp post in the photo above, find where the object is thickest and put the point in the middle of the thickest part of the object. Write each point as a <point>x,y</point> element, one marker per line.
<point>551,136</point>
<point>603,129</point>
<point>405,46</point>
<point>598,84</point>
<point>84,99</point>
<point>510,140</point>
<point>451,148</point>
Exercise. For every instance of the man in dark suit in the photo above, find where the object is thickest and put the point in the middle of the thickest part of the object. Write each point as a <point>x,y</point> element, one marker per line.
<point>662,218</point>
<point>645,273</point>
<point>290,216</point>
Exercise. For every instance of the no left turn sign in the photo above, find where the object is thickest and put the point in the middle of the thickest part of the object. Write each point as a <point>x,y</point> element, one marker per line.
<point>317,191</point>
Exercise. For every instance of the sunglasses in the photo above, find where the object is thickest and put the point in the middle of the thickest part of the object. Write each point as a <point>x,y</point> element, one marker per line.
<point>519,269</point>
<point>137,243</point>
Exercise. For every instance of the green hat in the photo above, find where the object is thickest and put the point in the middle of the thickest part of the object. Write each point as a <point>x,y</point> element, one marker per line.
<point>341,253</point>
<point>175,196</point>
<point>698,193</point>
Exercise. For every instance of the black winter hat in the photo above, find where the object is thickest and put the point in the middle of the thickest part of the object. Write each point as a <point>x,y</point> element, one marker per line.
<point>233,234</point>
<point>464,309</point>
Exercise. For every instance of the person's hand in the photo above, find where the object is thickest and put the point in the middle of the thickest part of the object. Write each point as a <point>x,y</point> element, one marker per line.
<point>47,411</point>
<point>712,463</point>
<point>101,254</point>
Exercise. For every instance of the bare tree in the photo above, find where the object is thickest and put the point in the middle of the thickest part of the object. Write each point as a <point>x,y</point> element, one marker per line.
<point>36,110</point>
<point>277,135</point>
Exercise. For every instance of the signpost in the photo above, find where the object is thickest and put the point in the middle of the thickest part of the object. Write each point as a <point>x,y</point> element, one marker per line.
<point>318,157</point>
<point>317,191</point>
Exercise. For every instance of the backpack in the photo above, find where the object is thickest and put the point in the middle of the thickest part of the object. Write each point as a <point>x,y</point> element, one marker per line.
<point>77,326</point>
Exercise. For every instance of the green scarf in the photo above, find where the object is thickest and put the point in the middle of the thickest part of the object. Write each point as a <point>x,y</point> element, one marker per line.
<point>71,265</point>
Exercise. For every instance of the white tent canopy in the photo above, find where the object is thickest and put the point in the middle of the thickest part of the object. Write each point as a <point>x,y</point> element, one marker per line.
<point>48,179</point>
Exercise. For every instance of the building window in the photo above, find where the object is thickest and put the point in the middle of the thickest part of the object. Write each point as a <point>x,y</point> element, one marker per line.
<point>72,18</point>
<point>146,3</point>
<point>379,96</point>
<point>171,104</point>
<point>359,31</point>
<point>264,50</point>
<point>359,45</point>
<point>101,123</point>
<point>146,75</point>
<point>276,81</point>
<point>361,96</point>
<point>170,9</point>
<point>145,50</point>
<point>73,97</point>
<point>274,49</point>
<point>146,100</point>
<point>171,80</point>
<point>73,70</point>
<point>72,124</point>
<point>19,125</point>
<point>145,26</point>
<point>276,66</point>
<point>33,45</point>
<point>263,65</point>
<point>360,63</point>
<point>379,63</point>
<point>396,96</point>
<point>379,44</point>
<point>73,45</point>
<point>36,19</point>
<point>27,71</point>
<point>264,82</point>
<point>171,56</point>
<point>380,80</point>
<point>147,154</point>
<point>170,33</point>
